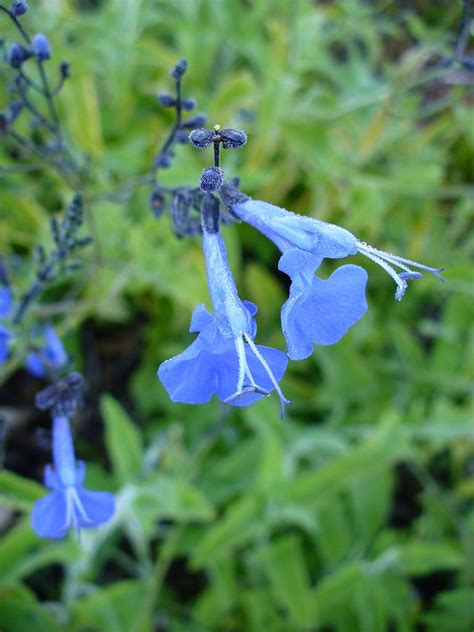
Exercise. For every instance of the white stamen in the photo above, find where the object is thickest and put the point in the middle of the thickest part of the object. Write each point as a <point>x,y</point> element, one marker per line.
<point>240,348</point>
<point>399,261</point>
<point>401,284</point>
<point>73,504</point>
<point>269,372</point>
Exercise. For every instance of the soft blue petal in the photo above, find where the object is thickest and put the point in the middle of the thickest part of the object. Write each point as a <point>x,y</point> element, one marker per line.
<point>5,336</point>
<point>34,364</point>
<point>289,230</point>
<point>190,377</point>
<point>51,479</point>
<point>48,518</point>
<point>228,370</point>
<point>6,301</point>
<point>322,311</point>
<point>201,319</point>
<point>54,349</point>
<point>277,361</point>
<point>99,507</point>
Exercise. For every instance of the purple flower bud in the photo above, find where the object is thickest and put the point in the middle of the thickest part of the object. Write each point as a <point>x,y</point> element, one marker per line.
<point>179,70</point>
<point>18,7</point>
<point>188,104</point>
<point>157,202</point>
<point>64,69</point>
<point>15,109</point>
<point>17,54</point>
<point>233,138</point>
<point>182,137</point>
<point>4,123</point>
<point>194,121</point>
<point>212,179</point>
<point>163,161</point>
<point>40,47</point>
<point>201,137</point>
<point>165,100</point>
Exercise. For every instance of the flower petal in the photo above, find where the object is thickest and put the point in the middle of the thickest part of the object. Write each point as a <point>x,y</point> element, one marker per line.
<point>290,230</point>
<point>54,349</point>
<point>98,506</point>
<point>6,301</point>
<point>49,515</point>
<point>34,365</point>
<point>190,377</point>
<point>322,311</point>
<point>5,336</point>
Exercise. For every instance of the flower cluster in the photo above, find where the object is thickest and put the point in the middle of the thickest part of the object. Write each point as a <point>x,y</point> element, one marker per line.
<point>224,359</point>
<point>31,93</point>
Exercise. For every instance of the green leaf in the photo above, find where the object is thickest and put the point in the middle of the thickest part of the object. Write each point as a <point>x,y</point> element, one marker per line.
<point>20,611</point>
<point>423,558</point>
<point>22,552</point>
<point>237,527</point>
<point>123,440</point>
<point>111,609</point>
<point>284,563</point>
<point>18,492</point>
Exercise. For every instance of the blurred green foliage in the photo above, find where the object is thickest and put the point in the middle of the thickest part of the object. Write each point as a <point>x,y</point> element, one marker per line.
<point>356,513</point>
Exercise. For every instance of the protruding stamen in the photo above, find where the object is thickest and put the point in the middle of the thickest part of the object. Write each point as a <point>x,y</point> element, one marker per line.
<point>245,391</point>
<point>269,372</point>
<point>386,260</point>
<point>401,283</point>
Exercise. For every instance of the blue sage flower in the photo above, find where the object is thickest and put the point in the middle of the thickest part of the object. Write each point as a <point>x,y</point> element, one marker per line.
<point>6,301</point>
<point>224,359</point>
<point>50,357</point>
<point>6,304</point>
<point>40,47</point>
<point>319,311</point>
<point>5,336</point>
<point>17,55</point>
<point>69,505</point>
<point>18,7</point>
<point>289,230</point>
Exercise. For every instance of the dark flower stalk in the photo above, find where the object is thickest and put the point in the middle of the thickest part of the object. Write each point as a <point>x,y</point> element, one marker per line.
<point>51,265</point>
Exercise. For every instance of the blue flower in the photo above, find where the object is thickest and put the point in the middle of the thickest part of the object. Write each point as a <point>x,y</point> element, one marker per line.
<point>317,311</point>
<point>69,505</point>
<point>6,301</point>
<point>51,356</point>
<point>40,47</point>
<point>235,369</point>
<point>18,7</point>
<point>5,336</point>
<point>223,360</point>
<point>289,230</point>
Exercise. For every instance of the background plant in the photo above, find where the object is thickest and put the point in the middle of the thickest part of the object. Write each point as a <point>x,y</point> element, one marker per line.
<point>356,513</point>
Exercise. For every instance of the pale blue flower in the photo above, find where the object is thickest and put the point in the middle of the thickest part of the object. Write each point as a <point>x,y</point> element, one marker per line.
<point>50,357</point>
<point>289,230</point>
<point>69,505</point>
<point>223,360</point>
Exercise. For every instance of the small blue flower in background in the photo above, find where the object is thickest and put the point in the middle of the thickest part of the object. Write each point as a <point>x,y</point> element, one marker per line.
<point>51,356</point>
<point>19,7</point>
<point>289,230</point>
<point>6,301</point>
<point>69,505</point>
<point>319,311</point>
<point>6,304</point>
<point>40,47</point>
<point>5,336</point>
<point>224,359</point>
